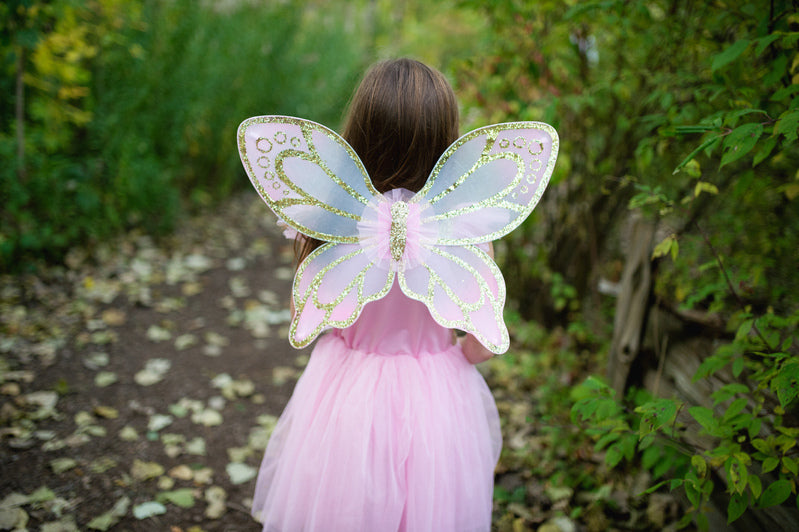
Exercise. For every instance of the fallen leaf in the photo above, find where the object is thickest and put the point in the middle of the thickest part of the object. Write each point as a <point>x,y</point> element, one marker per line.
<point>61,465</point>
<point>145,470</point>
<point>128,433</point>
<point>110,518</point>
<point>181,472</point>
<point>183,497</point>
<point>96,360</point>
<point>240,473</point>
<point>178,410</point>
<point>238,454</point>
<point>198,263</point>
<point>284,273</point>
<point>13,389</point>
<point>268,297</point>
<point>207,417</point>
<point>13,500</point>
<point>282,374</point>
<point>203,475</point>
<point>184,341</point>
<point>106,412</point>
<point>158,334</point>
<point>13,518</point>
<point>236,264</point>
<point>105,378</point>
<point>153,372</point>
<point>238,287</point>
<point>84,418</point>
<point>158,422</point>
<point>216,497</point>
<point>212,350</point>
<point>104,337</point>
<point>65,524</point>
<point>216,402</point>
<point>103,522</point>
<point>196,446</point>
<point>191,289</point>
<point>148,509</point>
<point>41,495</point>
<point>113,317</point>
<point>102,464</point>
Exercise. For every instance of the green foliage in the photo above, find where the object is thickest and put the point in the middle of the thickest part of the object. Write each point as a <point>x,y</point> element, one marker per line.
<point>754,443</point>
<point>688,114</point>
<point>131,108</point>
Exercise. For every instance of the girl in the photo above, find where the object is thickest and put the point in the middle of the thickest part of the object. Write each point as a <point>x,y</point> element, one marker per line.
<point>390,427</point>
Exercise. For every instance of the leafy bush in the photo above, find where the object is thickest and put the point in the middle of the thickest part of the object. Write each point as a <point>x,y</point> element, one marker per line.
<point>638,90</point>
<point>131,108</point>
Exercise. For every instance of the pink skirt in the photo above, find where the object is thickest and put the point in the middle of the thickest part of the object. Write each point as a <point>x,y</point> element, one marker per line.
<point>372,442</point>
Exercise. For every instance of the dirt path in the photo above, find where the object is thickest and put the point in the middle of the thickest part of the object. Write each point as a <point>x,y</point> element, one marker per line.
<point>138,385</point>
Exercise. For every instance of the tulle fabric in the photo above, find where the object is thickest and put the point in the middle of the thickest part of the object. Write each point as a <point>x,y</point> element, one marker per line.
<point>388,429</point>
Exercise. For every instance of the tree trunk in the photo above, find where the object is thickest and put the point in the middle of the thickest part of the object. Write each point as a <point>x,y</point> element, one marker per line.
<point>632,306</point>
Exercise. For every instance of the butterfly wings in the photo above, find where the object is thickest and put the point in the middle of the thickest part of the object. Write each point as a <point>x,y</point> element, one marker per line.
<point>483,186</point>
<point>307,174</point>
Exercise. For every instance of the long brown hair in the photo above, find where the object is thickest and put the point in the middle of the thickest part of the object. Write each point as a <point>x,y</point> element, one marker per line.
<point>402,117</point>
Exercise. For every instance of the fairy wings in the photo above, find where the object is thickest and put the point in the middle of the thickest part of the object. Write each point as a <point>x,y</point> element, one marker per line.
<point>483,186</point>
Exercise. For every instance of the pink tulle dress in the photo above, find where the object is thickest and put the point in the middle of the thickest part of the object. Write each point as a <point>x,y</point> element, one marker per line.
<point>389,428</point>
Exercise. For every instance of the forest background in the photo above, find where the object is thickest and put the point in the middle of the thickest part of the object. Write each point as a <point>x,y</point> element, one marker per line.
<point>677,117</point>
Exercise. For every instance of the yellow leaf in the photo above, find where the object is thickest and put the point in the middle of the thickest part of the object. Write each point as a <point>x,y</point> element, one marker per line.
<point>791,191</point>
<point>704,186</point>
<point>665,246</point>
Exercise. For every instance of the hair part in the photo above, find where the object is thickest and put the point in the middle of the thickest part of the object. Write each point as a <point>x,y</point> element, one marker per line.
<point>401,118</point>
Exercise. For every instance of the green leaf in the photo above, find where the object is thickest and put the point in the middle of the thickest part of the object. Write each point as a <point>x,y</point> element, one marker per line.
<point>654,488</point>
<point>787,124</point>
<point>737,474</point>
<point>761,445</point>
<point>776,493</point>
<point>791,465</point>
<point>737,367</point>
<point>614,455</point>
<point>740,141</point>
<point>704,416</point>
<point>699,464</point>
<point>692,493</point>
<point>764,150</point>
<point>729,55</point>
<point>737,506</point>
<point>763,42</point>
<point>754,427</point>
<point>709,143</point>
<point>769,464</point>
<point>787,383</point>
<point>755,486</point>
<point>785,92</point>
<point>735,408</point>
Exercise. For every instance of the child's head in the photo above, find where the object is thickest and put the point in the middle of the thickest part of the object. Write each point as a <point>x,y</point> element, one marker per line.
<point>401,119</point>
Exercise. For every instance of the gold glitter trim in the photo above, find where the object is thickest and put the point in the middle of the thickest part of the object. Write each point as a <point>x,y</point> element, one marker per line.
<point>275,172</point>
<point>399,229</point>
<point>497,303</point>
<point>502,198</point>
<point>312,291</point>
